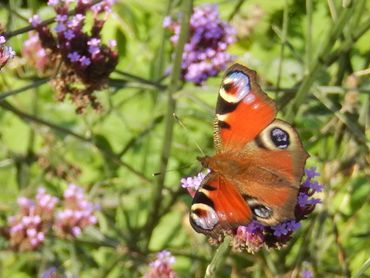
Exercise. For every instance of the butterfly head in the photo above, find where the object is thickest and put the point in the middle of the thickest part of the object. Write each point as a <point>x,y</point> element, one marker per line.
<point>235,86</point>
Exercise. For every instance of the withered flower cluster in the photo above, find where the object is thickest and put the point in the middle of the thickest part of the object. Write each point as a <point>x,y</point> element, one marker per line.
<point>83,61</point>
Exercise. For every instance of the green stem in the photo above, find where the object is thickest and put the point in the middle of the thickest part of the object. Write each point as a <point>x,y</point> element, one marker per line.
<point>35,84</point>
<point>282,49</point>
<point>318,64</point>
<point>362,270</point>
<point>28,117</point>
<point>309,34</point>
<point>218,259</point>
<point>171,108</point>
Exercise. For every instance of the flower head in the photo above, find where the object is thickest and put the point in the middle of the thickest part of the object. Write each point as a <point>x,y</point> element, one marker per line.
<point>192,183</point>
<point>77,213</point>
<point>161,267</point>
<point>79,76</point>
<point>6,52</point>
<point>205,52</point>
<point>27,229</point>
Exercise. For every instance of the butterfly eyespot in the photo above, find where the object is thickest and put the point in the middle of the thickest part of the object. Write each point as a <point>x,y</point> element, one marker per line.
<point>258,209</point>
<point>235,87</point>
<point>262,211</point>
<point>280,138</point>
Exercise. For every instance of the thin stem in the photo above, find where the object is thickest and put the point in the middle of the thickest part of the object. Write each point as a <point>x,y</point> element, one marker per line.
<point>35,84</point>
<point>319,62</point>
<point>27,117</point>
<point>140,79</point>
<point>235,10</point>
<point>308,41</point>
<point>362,270</point>
<point>218,259</point>
<point>171,108</point>
<point>283,40</point>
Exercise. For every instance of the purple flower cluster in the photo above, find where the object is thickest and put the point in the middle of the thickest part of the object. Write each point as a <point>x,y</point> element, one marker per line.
<point>27,229</point>
<point>34,52</point>
<point>205,52</point>
<point>6,52</point>
<point>86,59</point>
<point>192,183</point>
<point>77,214</point>
<point>254,236</point>
<point>161,267</point>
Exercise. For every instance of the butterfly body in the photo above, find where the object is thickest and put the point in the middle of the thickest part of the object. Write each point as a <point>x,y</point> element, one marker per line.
<point>258,164</point>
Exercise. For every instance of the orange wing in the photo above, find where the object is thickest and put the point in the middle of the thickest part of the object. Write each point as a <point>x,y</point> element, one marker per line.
<point>243,110</point>
<point>218,205</point>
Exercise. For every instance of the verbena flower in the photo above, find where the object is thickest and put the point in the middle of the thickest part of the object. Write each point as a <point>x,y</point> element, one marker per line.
<point>28,228</point>
<point>77,214</point>
<point>205,51</point>
<point>161,267</point>
<point>85,61</point>
<point>35,54</point>
<point>306,274</point>
<point>254,236</point>
<point>51,272</point>
<point>6,52</point>
<point>192,183</point>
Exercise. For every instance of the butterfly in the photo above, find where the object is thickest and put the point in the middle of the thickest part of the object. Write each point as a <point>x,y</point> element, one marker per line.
<point>258,165</point>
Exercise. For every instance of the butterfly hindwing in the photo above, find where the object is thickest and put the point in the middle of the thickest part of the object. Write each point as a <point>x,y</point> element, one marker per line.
<point>218,205</point>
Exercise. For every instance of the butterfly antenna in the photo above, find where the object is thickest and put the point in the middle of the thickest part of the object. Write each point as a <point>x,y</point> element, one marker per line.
<point>187,130</point>
<point>170,170</point>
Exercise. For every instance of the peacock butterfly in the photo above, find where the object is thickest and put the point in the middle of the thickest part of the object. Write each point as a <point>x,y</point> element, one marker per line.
<point>258,165</point>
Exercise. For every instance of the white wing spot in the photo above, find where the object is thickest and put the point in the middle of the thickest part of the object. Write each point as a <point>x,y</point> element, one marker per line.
<point>250,98</point>
<point>208,222</point>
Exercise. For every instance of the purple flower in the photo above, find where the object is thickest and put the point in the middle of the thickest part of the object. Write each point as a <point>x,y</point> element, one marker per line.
<point>53,2</point>
<point>60,27</point>
<point>77,214</point>
<point>61,18</point>
<point>85,61</point>
<point>249,237</point>
<point>74,56</point>
<point>292,225</point>
<point>280,229</point>
<point>161,267</point>
<point>51,272</point>
<point>193,182</point>
<point>27,229</point>
<point>76,20</point>
<point>35,20</point>
<point>69,34</point>
<point>204,53</point>
<point>112,43</point>
<point>307,274</point>
<point>34,52</point>
<point>6,52</point>
<point>94,46</point>
<point>311,173</point>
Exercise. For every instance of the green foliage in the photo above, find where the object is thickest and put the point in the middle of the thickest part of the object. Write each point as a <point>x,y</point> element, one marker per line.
<point>317,50</point>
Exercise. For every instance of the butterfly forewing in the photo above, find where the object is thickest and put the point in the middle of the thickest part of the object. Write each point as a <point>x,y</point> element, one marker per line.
<point>243,110</point>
